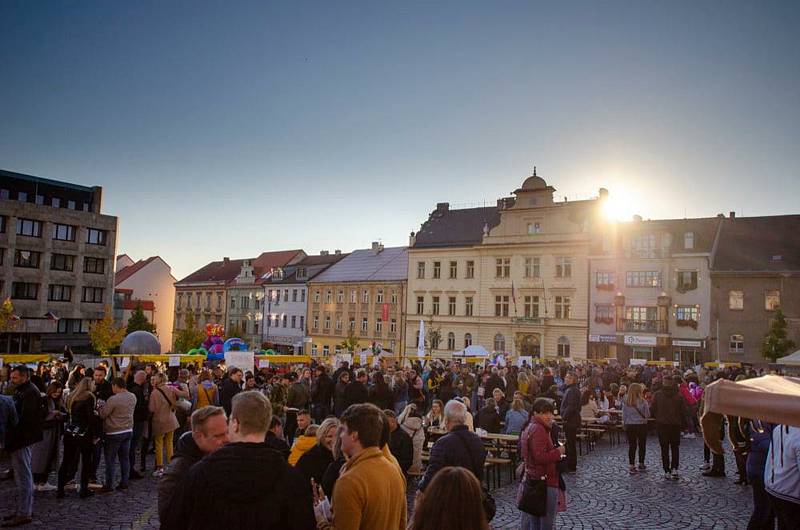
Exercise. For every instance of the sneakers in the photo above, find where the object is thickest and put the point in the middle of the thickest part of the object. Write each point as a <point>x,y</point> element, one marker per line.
<point>689,436</point>
<point>706,466</point>
<point>632,470</point>
<point>667,475</point>
<point>94,485</point>
<point>675,475</point>
<point>45,487</point>
<point>158,473</point>
<point>642,467</point>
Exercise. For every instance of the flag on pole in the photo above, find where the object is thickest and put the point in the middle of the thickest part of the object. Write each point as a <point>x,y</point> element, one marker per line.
<point>514,297</point>
<point>421,339</point>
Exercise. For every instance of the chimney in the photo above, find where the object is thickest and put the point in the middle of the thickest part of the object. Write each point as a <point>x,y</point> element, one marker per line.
<point>323,253</point>
<point>442,206</point>
<point>603,193</point>
<point>412,239</point>
<point>337,252</point>
<point>377,247</point>
<point>226,260</point>
<point>733,215</point>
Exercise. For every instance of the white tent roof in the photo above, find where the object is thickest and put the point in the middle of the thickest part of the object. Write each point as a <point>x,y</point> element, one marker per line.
<point>791,360</point>
<point>476,350</point>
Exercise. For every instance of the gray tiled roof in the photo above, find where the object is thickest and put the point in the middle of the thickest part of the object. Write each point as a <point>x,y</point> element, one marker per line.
<point>390,264</point>
<point>454,228</point>
<point>749,244</point>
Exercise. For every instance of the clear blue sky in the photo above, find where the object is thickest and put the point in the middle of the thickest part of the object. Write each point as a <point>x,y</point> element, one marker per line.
<point>228,128</point>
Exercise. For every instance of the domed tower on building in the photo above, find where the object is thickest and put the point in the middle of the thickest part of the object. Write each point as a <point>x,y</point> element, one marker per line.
<point>534,193</point>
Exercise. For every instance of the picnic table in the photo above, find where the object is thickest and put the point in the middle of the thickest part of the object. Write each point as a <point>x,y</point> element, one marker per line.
<point>501,449</point>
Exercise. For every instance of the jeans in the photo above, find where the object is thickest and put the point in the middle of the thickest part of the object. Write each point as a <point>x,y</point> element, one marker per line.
<point>136,440</point>
<point>571,434</point>
<point>74,448</point>
<point>637,437</point>
<point>319,412</point>
<point>98,453</point>
<point>163,441</point>
<point>669,437</point>
<point>532,522</point>
<point>23,478</point>
<point>118,445</point>
<point>787,513</point>
<point>763,516</point>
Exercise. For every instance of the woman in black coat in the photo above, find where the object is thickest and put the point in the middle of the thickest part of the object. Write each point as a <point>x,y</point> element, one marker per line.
<point>316,460</point>
<point>380,394</point>
<point>339,398</point>
<point>83,428</point>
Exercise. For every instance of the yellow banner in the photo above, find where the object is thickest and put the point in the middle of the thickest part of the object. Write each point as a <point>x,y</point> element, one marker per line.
<point>24,358</point>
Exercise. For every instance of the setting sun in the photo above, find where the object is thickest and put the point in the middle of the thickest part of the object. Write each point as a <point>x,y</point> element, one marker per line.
<point>619,206</point>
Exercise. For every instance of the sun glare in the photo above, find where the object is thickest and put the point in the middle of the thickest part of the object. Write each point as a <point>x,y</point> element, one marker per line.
<point>619,206</point>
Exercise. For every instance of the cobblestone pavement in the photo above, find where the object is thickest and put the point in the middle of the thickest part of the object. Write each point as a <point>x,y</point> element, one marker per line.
<point>600,496</point>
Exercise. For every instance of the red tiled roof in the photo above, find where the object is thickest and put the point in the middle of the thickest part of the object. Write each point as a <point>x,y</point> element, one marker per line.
<point>226,271</point>
<point>268,260</point>
<point>124,291</point>
<point>130,270</point>
<point>130,305</point>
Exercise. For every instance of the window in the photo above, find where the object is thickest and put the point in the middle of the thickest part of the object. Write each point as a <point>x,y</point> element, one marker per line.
<point>365,297</point>
<point>64,232</point>
<point>736,300</point>
<point>233,303</point>
<point>451,306</point>
<point>379,296</point>
<point>4,194</point>
<point>688,240</point>
<point>364,324</point>
<point>737,344</point>
<point>453,270</point>
<point>468,306</point>
<point>563,307</point>
<point>394,297</point>
<point>294,296</point>
<point>420,270</point>
<point>437,270</point>
<point>326,349</point>
<point>286,295</point>
<point>284,320</point>
<point>644,246</point>
<point>772,300</point>
<point>245,302</point>
<point>435,306</point>
<point>604,314</point>
<point>22,196</point>
<point>96,237</point>
<point>687,281</point>
<point>420,305</point>
<point>303,295</point>
<point>315,322</point>
<point>563,267</point>
<point>316,296</point>
<point>340,296</point>
<point>24,291</point>
<point>687,313</point>
<point>2,224</point>
<point>563,347</point>
<point>56,202</point>
<point>393,326</point>
<point>534,228</point>
<point>643,279</point>
<point>328,296</point>
<point>98,266</point>
<point>219,301</point>
<point>499,343</point>
<point>40,200</point>
<point>27,259</point>
<point>451,341</point>
<point>379,326</point>
<point>327,322</point>
<point>503,267</point>
<point>179,301</point>
<point>338,323</point>
<point>29,227</point>
<point>255,328</point>
<point>467,340</point>
<point>71,205</point>
<point>352,324</point>
<point>605,279</point>
<point>352,296</point>
<point>93,295</point>
<point>532,267</point>
<point>501,306</point>
<point>302,322</point>
<point>301,273</point>
<point>470,269</point>
<point>62,262</point>
<point>531,306</point>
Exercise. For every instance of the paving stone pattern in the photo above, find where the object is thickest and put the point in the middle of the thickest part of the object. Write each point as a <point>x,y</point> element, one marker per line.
<point>601,495</point>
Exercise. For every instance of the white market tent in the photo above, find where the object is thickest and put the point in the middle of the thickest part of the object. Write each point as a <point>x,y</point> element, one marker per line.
<point>790,360</point>
<point>474,350</point>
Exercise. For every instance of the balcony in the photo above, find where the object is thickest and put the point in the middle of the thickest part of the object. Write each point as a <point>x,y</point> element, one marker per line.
<point>643,326</point>
<point>533,321</point>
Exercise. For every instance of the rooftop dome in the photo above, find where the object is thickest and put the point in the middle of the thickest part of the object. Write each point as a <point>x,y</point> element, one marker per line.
<point>534,182</point>
<point>140,343</point>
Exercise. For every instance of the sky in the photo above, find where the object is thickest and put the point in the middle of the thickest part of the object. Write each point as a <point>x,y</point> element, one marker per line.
<point>230,128</point>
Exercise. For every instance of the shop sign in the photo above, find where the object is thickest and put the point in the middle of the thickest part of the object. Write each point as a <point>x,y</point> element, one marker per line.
<point>641,340</point>
<point>603,338</point>
<point>688,343</point>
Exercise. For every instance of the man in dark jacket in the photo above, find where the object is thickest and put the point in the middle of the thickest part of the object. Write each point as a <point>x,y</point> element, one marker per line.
<point>275,438</point>
<point>251,484</point>
<point>231,386</point>
<point>495,381</point>
<point>321,394</point>
<point>571,416</point>
<point>460,447</point>
<point>399,442</point>
<point>669,410</point>
<point>209,433</point>
<point>356,391</point>
<point>141,415</point>
<point>27,402</point>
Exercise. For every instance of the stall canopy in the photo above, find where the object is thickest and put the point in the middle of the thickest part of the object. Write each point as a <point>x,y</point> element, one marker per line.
<point>769,398</point>
<point>790,360</point>
<point>476,350</point>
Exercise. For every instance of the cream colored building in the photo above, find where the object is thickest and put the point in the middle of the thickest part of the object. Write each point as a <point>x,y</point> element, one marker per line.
<point>511,278</point>
<point>150,282</point>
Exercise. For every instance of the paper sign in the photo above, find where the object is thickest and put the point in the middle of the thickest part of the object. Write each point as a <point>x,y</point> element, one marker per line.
<point>244,360</point>
<point>523,360</point>
<point>174,360</point>
<point>638,362</point>
<point>363,359</point>
<point>263,363</point>
<point>125,362</point>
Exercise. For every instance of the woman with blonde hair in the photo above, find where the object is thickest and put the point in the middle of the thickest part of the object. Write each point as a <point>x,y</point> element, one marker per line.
<point>635,412</point>
<point>523,382</point>
<point>452,501</point>
<point>163,399</point>
<point>316,460</point>
<point>82,432</point>
<point>516,418</point>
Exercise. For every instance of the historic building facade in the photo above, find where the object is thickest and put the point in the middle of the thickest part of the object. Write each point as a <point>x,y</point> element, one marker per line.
<point>511,278</point>
<point>56,261</point>
<point>364,295</point>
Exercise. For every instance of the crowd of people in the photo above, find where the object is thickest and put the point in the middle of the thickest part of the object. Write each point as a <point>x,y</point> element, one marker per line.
<point>299,447</point>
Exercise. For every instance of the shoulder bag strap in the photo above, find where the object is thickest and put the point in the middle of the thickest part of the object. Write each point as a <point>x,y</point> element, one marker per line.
<point>171,404</point>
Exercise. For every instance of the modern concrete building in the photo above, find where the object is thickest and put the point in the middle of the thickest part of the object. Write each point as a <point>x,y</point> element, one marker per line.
<point>286,295</point>
<point>56,261</point>
<point>148,282</point>
<point>511,278</point>
<point>362,294</point>
<point>650,290</point>
<point>756,270</point>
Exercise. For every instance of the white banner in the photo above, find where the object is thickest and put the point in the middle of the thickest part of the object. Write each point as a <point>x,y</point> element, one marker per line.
<point>243,360</point>
<point>641,340</point>
<point>638,362</point>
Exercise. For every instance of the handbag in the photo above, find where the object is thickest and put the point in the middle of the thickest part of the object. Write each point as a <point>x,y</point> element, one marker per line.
<point>75,430</point>
<point>532,498</point>
<point>489,504</point>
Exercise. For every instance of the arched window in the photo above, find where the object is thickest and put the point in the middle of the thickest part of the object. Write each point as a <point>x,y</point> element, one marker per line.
<point>451,341</point>
<point>737,344</point>
<point>499,343</point>
<point>688,240</point>
<point>563,347</point>
<point>467,340</point>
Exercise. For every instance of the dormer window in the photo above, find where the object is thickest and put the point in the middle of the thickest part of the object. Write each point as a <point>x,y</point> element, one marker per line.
<point>277,274</point>
<point>301,272</point>
<point>688,240</point>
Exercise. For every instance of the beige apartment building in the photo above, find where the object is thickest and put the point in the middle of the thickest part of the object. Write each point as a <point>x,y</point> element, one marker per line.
<point>511,278</point>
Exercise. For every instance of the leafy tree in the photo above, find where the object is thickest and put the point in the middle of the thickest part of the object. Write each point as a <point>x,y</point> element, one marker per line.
<point>433,336</point>
<point>350,343</point>
<point>776,343</point>
<point>104,334</point>
<point>190,337</point>
<point>7,319</point>
<point>139,322</point>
